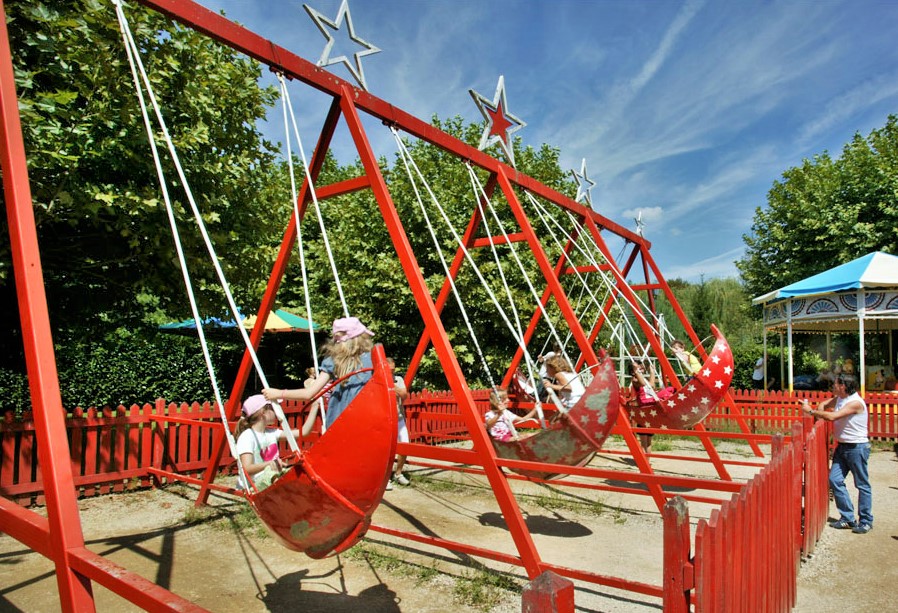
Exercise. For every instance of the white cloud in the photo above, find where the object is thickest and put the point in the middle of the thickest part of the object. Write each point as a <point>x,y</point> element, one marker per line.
<point>651,215</point>
<point>722,265</point>
<point>849,104</point>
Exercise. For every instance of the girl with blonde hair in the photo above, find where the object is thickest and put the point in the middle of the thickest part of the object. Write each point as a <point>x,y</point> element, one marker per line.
<point>348,351</point>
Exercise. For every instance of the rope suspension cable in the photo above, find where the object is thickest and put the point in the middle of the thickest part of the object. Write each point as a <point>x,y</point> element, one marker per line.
<point>320,216</point>
<point>287,107</point>
<point>518,332</point>
<point>545,218</point>
<point>628,328</point>
<point>537,299</point>
<point>409,163</point>
<point>658,326</point>
<point>139,75</point>
<point>288,110</point>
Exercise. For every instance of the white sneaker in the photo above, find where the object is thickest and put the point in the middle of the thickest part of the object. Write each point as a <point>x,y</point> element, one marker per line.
<point>401,479</point>
<point>389,485</point>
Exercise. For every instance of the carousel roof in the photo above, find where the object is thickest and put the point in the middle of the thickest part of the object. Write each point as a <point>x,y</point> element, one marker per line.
<point>874,270</point>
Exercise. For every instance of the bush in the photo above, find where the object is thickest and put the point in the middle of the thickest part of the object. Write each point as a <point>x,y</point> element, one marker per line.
<point>128,370</point>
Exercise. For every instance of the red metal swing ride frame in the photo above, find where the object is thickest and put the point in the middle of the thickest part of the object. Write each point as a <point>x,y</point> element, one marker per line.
<point>59,536</point>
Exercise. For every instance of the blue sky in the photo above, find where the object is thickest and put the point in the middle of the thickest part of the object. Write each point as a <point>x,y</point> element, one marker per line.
<point>684,110</point>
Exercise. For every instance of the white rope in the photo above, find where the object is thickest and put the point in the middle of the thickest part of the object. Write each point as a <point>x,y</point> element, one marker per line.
<point>545,218</point>
<point>657,324</point>
<point>294,198</point>
<point>137,67</point>
<point>287,106</point>
<point>480,195</point>
<point>462,247</point>
<point>408,163</point>
<point>324,235</point>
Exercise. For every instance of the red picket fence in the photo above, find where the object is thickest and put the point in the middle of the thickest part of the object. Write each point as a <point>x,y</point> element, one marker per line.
<point>776,411</point>
<point>747,554</point>
<point>112,450</point>
<point>742,560</point>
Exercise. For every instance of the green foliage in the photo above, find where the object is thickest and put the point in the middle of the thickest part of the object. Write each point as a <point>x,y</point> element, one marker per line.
<point>723,302</point>
<point>826,212</point>
<point>483,588</point>
<point>700,306</point>
<point>107,254</point>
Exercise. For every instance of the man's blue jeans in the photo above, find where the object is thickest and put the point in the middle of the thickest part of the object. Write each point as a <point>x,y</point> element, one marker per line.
<point>848,459</point>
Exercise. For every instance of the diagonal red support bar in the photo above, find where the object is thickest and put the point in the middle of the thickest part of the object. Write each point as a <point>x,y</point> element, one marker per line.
<point>268,298</point>
<point>443,347</point>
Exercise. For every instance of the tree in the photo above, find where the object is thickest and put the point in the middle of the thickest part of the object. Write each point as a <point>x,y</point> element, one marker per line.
<point>107,254</point>
<point>372,278</point>
<point>826,212</point>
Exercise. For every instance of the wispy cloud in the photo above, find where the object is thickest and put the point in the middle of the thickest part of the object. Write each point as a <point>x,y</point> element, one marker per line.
<point>849,104</point>
<point>722,265</point>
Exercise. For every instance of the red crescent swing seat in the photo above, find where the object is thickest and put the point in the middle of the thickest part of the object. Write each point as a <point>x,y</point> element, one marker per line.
<point>571,438</point>
<point>692,403</point>
<point>323,504</point>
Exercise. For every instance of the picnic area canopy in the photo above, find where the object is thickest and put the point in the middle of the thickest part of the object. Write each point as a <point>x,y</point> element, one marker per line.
<point>858,296</point>
<point>278,320</point>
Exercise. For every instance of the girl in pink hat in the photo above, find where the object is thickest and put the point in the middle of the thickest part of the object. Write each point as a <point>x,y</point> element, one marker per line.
<point>348,350</point>
<point>257,440</point>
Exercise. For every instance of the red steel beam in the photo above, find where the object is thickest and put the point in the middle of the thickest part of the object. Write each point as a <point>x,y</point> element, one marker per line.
<point>442,345</point>
<point>237,37</point>
<point>64,526</point>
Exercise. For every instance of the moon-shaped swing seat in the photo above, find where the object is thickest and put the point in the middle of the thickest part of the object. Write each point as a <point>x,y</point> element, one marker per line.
<point>323,504</point>
<point>692,403</point>
<point>572,438</point>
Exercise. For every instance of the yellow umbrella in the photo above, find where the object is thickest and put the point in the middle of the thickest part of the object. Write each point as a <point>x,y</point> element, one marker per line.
<point>280,320</point>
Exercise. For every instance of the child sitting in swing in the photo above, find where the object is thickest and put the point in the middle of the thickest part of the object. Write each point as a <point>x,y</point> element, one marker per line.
<point>644,388</point>
<point>257,441</point>
<point>499,420</point>
<point>562,379</point>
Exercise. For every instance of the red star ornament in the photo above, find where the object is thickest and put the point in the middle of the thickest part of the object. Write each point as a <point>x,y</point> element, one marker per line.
<point>500,124</point>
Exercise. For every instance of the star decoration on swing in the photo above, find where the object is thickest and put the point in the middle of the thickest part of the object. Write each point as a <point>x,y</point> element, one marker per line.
<point>695,399</point>
<point>500,124</point>
<point>326,25</point>
<point>584,184</point>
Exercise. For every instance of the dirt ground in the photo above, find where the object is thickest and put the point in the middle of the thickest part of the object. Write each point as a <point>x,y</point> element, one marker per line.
<point>222,560</point>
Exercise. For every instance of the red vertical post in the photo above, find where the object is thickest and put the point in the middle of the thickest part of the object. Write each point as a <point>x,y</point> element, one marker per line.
<point>548,593</point>
<point>132,460</point>
<point>43,379</point>
<point>91,434</point>
<point>678,568</point>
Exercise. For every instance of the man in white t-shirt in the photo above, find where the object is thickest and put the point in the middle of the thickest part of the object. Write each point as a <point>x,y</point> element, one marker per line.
<point>757,375</point>
<point>848,412</point>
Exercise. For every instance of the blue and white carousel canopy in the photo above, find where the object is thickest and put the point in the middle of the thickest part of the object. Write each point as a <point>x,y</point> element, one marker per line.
<point>829,300</point>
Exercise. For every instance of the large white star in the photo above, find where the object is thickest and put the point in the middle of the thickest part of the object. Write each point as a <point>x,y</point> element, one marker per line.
<point>326,25</point>
<point>584,184</point>
<point>500,124</point>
